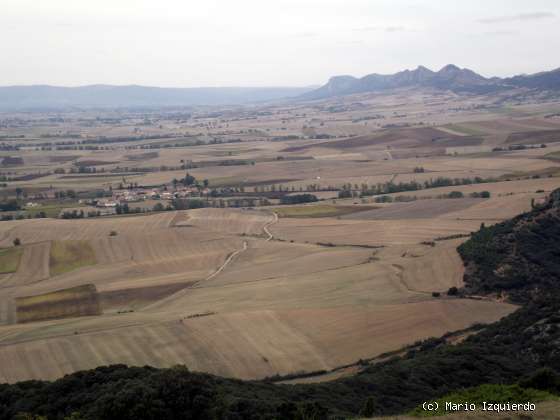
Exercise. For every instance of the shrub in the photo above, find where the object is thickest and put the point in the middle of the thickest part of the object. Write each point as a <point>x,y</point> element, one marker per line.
<point>298,198</point>
<point>345,194</point>
<point>158,207</point>
<point>384,199</point>
<point>455,194</point>
<point>545,379</point>
<point>369,408</point>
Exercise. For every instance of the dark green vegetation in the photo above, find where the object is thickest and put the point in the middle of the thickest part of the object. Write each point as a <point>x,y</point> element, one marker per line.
<point>391,187</point>
<point>520,257</point>
<point>298,199</point>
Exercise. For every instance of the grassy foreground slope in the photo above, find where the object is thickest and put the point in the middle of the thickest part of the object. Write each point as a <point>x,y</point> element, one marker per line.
<point>507,352</point>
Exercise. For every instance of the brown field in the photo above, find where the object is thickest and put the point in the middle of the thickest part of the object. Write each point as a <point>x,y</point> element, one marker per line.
<point>77,301</point>
<point>271,289</point>
<point>420,209</point>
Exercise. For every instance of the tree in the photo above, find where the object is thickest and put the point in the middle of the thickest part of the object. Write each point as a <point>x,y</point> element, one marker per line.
<point>17,242</point>
<point>298,198</point>
<point>453,291</point>
<point>369,408</point>
<point>158,207</point>
<point>189,180</point>
<point>345,194</point>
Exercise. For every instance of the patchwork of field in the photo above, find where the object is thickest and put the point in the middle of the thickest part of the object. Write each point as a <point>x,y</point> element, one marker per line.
<point>276,289</point>
<point>276,307</point>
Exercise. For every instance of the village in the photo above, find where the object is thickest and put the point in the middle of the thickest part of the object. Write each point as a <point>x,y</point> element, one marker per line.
<point>138,195</point>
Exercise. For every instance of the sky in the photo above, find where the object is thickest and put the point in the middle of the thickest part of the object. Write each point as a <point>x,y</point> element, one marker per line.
<point>192,43</point>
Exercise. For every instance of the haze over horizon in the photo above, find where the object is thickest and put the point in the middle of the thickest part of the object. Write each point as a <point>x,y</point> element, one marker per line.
<point>250,43</point>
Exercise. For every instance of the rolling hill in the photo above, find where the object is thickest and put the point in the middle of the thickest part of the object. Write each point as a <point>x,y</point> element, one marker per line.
<point>520,349</point>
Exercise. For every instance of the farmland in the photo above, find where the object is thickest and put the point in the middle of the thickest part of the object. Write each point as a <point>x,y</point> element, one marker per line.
<point>254,242</point>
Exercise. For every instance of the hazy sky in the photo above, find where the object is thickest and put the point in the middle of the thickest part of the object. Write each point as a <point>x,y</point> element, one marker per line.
<point>186,43</point>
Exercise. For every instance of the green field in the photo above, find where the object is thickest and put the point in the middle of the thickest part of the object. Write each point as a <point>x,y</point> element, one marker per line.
<point>9,259</point>
<point>320,210</point>
<point>465,129</point>
<point>555,156</point>
<point>67,256</point>
<point>52,209</point>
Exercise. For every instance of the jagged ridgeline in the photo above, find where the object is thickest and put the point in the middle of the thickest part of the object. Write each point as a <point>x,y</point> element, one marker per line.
<point>518,258</point>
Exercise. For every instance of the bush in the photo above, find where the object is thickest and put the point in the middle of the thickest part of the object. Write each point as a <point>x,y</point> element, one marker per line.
<point>345,194</point>
<point>455,194</point>
<point>384,199</point>
<point>298,199</point>
<point>436,294</point>
<point>405,198</point>
<point>369,408</point>
<point>545,379</point>
<point>113,233</point>
<point>11,205</point>
<point>17,242</point>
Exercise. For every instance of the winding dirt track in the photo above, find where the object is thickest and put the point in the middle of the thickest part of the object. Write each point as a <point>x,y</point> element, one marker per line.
<point>223,266</point>
<point>265,227</point>
<point>229,259</point>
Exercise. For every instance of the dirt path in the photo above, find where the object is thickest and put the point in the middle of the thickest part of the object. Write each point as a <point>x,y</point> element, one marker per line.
<point>158,304</point>
<point>265,227</point>
<point>228,260</point>
<point>223,266</point>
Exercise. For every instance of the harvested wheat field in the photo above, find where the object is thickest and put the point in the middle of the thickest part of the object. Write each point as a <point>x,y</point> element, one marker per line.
<point>213,290</point>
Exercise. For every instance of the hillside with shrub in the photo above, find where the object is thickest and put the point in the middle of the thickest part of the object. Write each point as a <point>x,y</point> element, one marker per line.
<point>519,258</point>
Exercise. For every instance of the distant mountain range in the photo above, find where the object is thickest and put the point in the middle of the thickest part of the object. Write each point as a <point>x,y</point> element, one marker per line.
<point>449,77</point>
<point>106,96</point>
